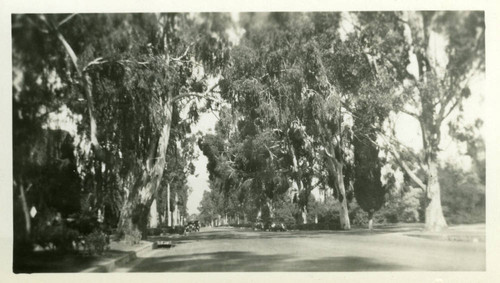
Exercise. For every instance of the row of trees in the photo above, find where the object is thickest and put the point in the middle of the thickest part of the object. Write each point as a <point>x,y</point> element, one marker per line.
<point>99,120</point>
<point>103,104</point>
<point>311,105</point>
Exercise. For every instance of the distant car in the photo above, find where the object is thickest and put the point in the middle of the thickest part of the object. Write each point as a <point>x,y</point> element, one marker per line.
<point>193,226</point>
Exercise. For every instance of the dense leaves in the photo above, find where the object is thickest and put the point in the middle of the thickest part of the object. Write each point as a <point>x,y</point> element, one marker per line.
<point>103,106</point>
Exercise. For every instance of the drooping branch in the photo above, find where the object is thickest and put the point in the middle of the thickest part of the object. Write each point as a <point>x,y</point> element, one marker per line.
<point>400,161</point>
<point>405,167</point>
<point>96,61</point>
<point>86,83</point>
<point>199,95</point>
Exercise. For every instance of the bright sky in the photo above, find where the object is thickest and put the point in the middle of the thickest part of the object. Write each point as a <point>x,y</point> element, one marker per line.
<point>199,181</point>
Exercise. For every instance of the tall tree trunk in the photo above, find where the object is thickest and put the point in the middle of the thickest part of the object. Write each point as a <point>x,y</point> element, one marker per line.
<point>431,136</point>
<point>304,214</point>
<point>344,213</point>
<point>136,206</point>
<point>169,213</point>
<point>153,215</point>
<point>176,211</point>
<point>87,84</point>
<point>336,169</point>
<point>434,218</point>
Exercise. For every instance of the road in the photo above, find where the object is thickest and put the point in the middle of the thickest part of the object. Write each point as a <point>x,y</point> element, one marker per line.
<point>231,249</point>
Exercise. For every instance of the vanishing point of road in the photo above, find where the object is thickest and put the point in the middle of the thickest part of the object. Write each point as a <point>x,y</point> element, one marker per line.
<point>232,249</point>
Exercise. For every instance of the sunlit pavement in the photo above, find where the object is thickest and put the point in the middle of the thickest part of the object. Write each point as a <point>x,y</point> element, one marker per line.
<point>232,249</point>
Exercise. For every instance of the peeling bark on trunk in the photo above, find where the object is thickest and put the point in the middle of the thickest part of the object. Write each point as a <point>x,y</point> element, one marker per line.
<point>434,218</point>
<point>153,215</point>
<point>136,207</point>
<point>344,213</point>
<point>304,215</point>
<point>336,168</point>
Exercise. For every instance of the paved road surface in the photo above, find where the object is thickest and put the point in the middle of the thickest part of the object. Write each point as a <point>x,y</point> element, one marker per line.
<point>230,249</point>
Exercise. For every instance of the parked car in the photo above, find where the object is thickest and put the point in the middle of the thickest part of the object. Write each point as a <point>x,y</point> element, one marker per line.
<point>193,226</point>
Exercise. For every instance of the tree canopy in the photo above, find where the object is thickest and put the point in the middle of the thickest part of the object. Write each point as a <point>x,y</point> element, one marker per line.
<point>103,106</point>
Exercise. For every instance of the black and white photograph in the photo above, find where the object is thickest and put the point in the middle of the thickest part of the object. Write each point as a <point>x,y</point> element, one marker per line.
<point>248,141</point>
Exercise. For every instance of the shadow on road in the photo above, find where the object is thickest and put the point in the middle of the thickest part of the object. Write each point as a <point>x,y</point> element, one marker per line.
<point>234,233</point>
<point>50,261</point>
<point>247,261</point>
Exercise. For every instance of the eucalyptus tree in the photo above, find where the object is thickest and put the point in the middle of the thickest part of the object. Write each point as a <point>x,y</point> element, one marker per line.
<point>315,80</point>
<point>131,72</point>
<point>265,82</point>
<point>243,162</point>
<point>445,51</point>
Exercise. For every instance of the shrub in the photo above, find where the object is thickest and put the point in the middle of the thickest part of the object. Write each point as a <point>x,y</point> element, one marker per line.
<point>357,215</point>
<point>329,213</point>
<point>50,231</point>
<point>403,205</point>
<point>96,243</point>
<point>463,196</point>
<point>63,238</point>
<point>284,213</point>
<point>133,237</point>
